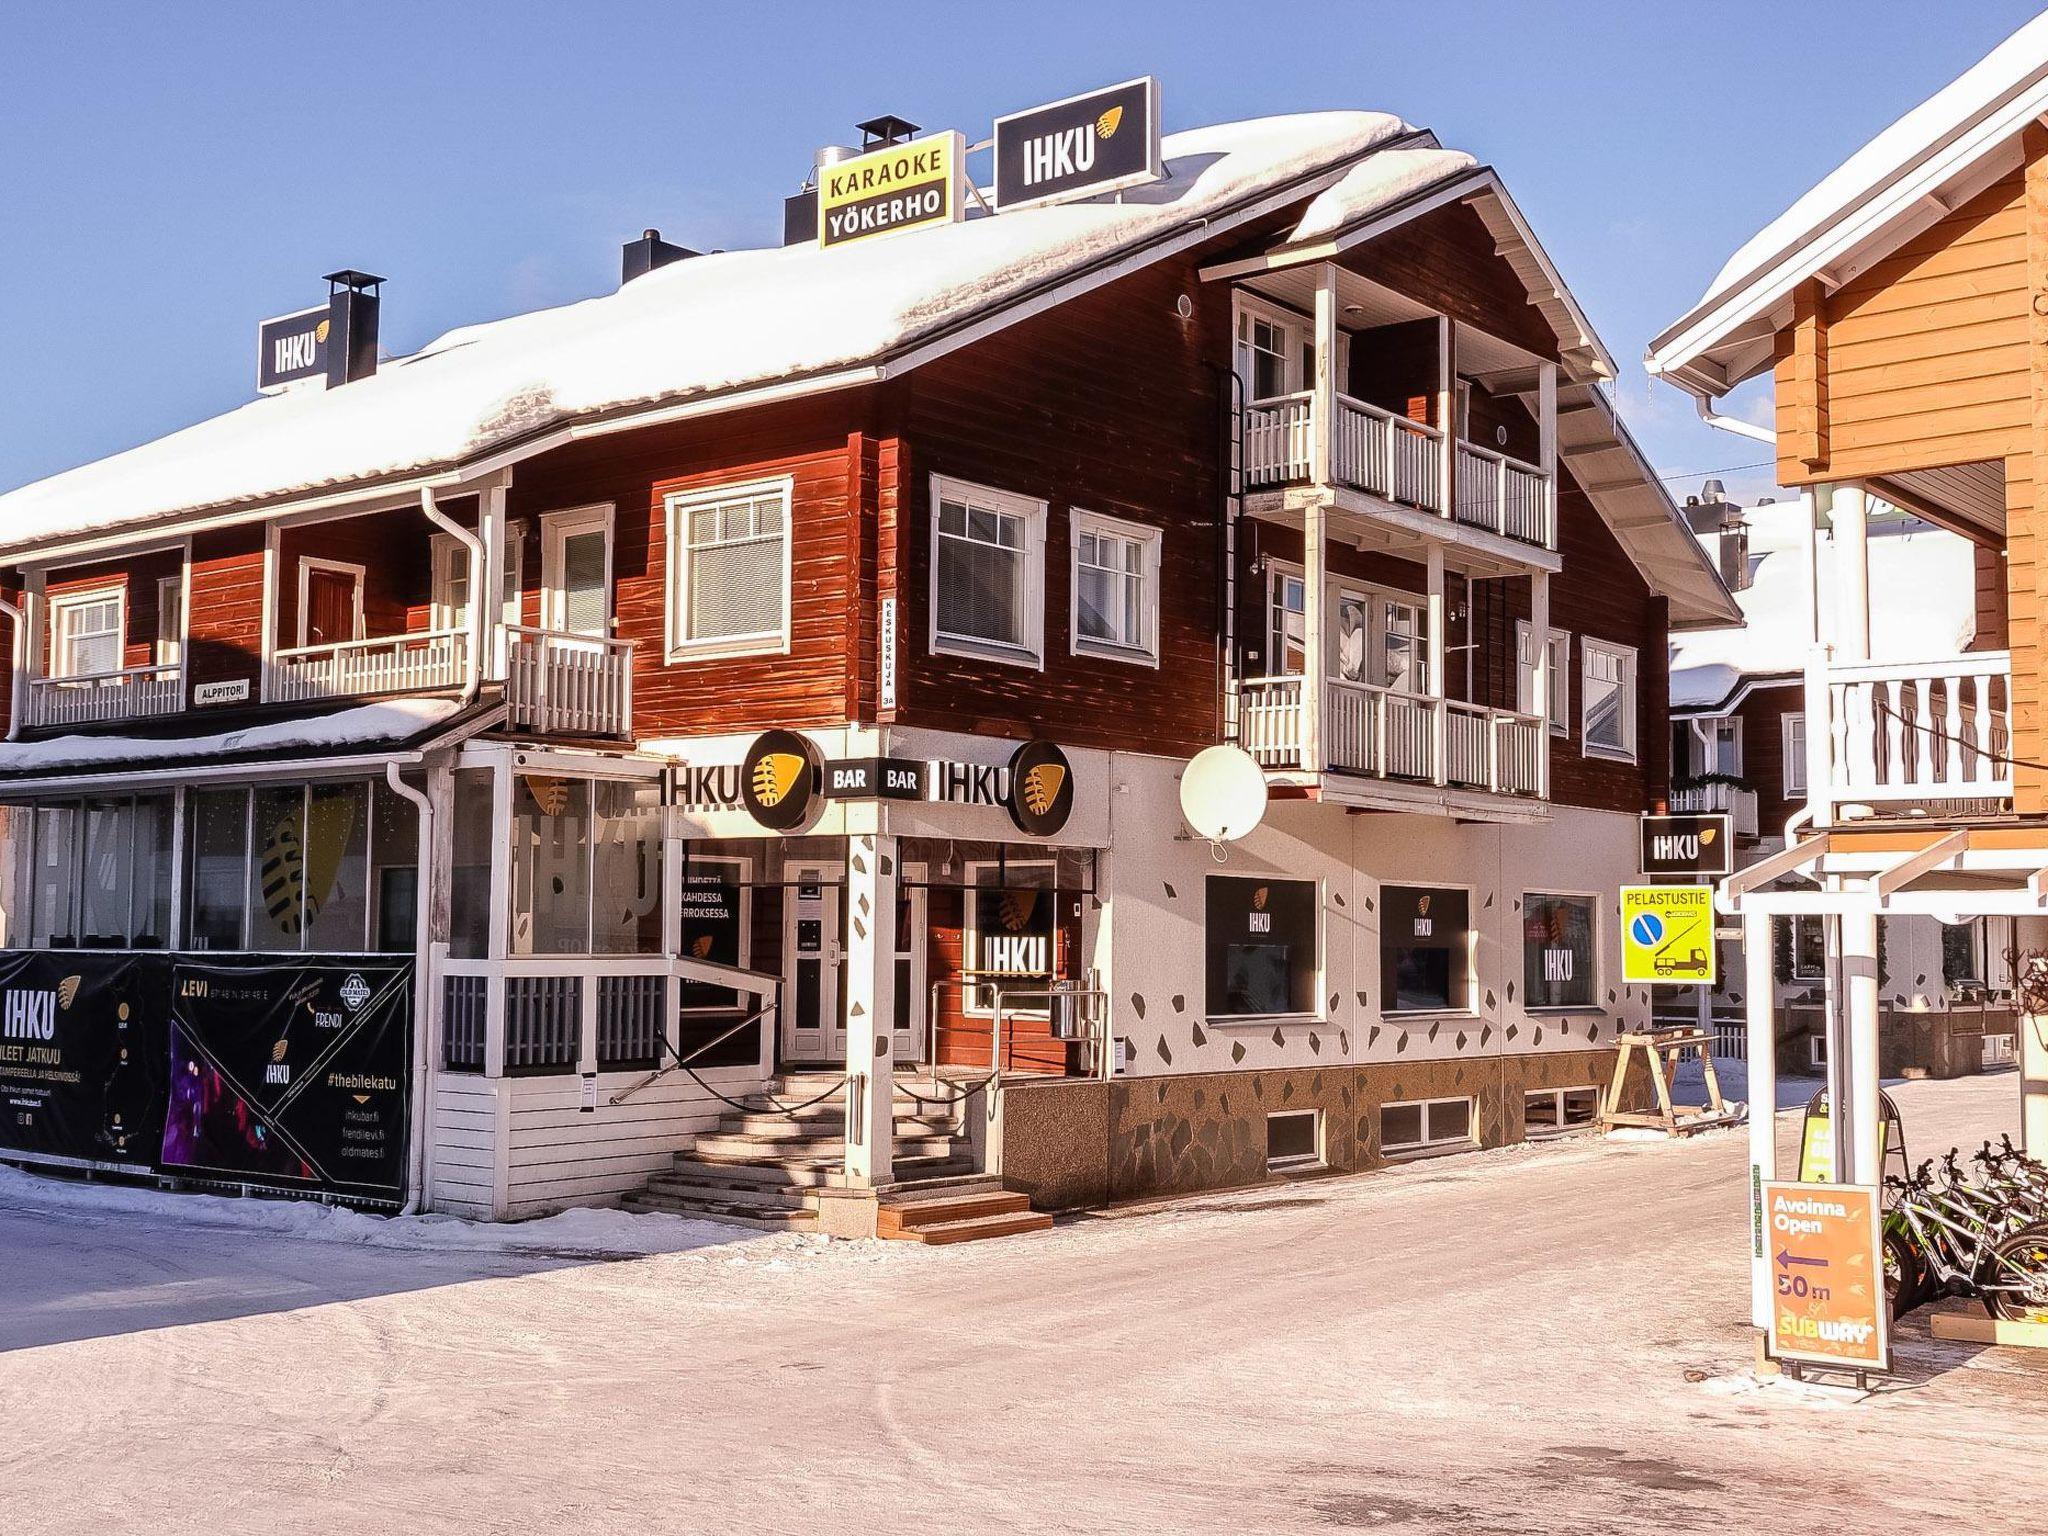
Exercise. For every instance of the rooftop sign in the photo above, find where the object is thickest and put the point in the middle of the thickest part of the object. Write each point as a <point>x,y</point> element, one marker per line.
<point>903,186</point>
<point>1083,146</point>
<point>291,348</point>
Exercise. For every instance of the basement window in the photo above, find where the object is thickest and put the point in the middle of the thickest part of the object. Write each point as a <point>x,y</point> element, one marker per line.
<point>1425,1125</point>
<point>1294,1139</point>
<point>1552,1111</point>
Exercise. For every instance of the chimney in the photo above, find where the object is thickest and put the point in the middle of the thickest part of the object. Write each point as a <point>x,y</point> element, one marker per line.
<point>642,256</point>
<point>351,326</point>
<point>1734,557</point>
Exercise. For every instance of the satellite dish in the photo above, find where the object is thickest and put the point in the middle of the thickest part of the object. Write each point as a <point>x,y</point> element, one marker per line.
<point>1223,793</point>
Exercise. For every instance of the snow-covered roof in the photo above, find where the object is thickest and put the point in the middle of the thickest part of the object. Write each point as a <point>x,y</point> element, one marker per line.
<point>1906,176</point>
<point>1922,604</point>
<point>709,326</point>
<point>1376,183</point>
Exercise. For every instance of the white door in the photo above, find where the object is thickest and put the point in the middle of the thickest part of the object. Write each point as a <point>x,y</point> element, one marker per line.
<point>814,966</point>
<point>576,572</point>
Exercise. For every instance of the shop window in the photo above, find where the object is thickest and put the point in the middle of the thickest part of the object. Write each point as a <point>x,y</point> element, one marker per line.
<point>729,569</point>
<point>277,868</point>
<point>1261,942</point>
<point>625,880</point>
<point>1962,953</point>
<point>1294,1139</point>
<point>99,873</point>
<point>1551,1111</point>
<point>394,871</point>
<point>550,865</point>
<point>216,890</point>
<point>1425,949</point>
<point>469,883</point>
<point>1607,690</point>
<point>1809,948</point>
<point>1559,957</point>
<point>1012,937</point>
<point>714,926</point>
<point>988,571</point>
<point>1115,588</point>
<point>1425,1125</point>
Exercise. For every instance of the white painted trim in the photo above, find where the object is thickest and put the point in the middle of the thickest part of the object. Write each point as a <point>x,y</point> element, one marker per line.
<point>1599,900</point>
<point>676,587</point>
<point>1035,513</point>
<point>62,603</point>
<point>1561,675</point>
<point>1152,543</point>
<point>1792,765</point>
<point>563,523</point>
<point>1472,930</point>
<point>1631,749</point>
<point>311,563</point>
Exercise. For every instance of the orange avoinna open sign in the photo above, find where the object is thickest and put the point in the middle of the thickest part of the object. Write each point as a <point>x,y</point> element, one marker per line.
<point>1827,1280</point>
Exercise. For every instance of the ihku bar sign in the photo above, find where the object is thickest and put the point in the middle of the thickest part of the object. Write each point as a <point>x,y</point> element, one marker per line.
<point>1083,146</point>
<point>1687,845</point>
<point>905,186</point>
<point>291,348</point>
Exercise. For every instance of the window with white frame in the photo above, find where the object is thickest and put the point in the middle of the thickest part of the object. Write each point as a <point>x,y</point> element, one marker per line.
<point>1792,733</point>
<point>1274,352</point>
<point>1115,586</point>
<point>1011,941</point>
<point>87,632</point>
<point>451,578</point>
<point>1560,677</point>
<point>1607,693</point>
<point>729,569</point>
<point>1419,1125</point>
<point>170,620</point>
<point>576,571</point>
<point>1294,1139</point>
<point>1375,636</point>
<point>988,573</point>
<point>1286,645</point>
<point>1552,1111</point>
<point>1715,746</point>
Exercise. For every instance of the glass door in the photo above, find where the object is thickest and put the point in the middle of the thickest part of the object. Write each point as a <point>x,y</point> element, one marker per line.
<point>814,966</point>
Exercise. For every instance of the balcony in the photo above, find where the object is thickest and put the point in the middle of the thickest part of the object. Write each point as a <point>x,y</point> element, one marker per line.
<point>128,694</point>
<point>565,684</point>
<point>1384,733</point>
<point>1913,738</point>
<point>422,662</point>
<point>1398,460</point>
<point>1717,797</point>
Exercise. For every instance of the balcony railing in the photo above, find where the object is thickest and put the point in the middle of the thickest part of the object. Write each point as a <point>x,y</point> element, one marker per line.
<point>1399,460</point>
<point>1718,798</point>
<point>1904,733</point>
<point>411,663</point>
<point>575,685</point>
<point>127,694</point>
<point>1387,733</point>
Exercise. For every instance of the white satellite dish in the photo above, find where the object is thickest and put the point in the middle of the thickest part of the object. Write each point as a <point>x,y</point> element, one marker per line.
<point>1223,793</point>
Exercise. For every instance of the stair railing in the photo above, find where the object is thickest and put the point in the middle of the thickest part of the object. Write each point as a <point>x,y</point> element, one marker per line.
<point>682,1063</point>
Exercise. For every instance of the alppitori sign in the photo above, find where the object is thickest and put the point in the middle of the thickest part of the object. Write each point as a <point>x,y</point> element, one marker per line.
<point>885,191</point>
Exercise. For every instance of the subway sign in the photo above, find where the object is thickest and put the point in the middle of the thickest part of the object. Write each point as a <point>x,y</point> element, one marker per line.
<point>905,186</point>
<point>1081,147</point>
<point>290,348</point>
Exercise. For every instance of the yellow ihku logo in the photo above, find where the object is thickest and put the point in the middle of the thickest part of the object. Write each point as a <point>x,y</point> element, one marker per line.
<point>1107,124</point>
<point>701,946</point>
<point>320,330</point>
<point>1042,787</point>
<point>1707,836</point>
<point>277,1051</point>
<point>1422,907</point>
<point>1259,899</point>
<point>775,775</point>
<point>1016,907</point>
<point>67,992</point>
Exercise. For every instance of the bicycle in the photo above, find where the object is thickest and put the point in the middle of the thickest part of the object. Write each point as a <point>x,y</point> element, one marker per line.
<point>1956,1238</point>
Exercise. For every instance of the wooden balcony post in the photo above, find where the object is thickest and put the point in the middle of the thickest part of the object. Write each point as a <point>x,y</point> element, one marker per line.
<point>1323,407</point>
<point>1546,456</point>
<point>1447,415</point>
<point>1315,666</point>
<point>870,895</point>
<point>1539,693</point>
<point>487,591</point>
<point>1862,1135</point>
<point>1820,735</point>
<point>1852,573</point>
<point>1439,720</point>
<point>1761,1004</point>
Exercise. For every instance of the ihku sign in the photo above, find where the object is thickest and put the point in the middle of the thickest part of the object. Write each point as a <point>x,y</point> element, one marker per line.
<point>291,348</point>
<point>903,186</point>
<point>1084,146</point>
<point>1687,845</point>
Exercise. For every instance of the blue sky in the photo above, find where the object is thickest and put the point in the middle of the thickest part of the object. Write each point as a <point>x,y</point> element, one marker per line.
<point>171,174</point>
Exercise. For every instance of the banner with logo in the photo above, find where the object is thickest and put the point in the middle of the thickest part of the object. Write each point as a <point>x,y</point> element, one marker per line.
<point>82,1056</point>
<point>1084,146</point>
<point>293,1074</point>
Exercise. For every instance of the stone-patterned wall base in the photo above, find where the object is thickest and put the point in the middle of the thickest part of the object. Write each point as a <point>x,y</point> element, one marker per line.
<point>1071,1145</point>
<point>1943,1043</point>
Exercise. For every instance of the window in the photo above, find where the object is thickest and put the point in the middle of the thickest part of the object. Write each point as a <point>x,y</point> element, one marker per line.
<point>469,879</point>
<point>170,620</point>
<point>1607,689</point>
<point>1549,1111</point>
<point>988,559</point>
<point>1558,952</point>
<point>1712,746</point>
<point>1425,1125</point>
<point>217,868</point>
<point>1261,939</point>
<point>88,630</point>
<point>550,865</point>
<point>713,926</point>
<point>1380,638</point>
<point>729,569</point>
<point>1286,647</point>
<point>1012,933</point>
<point>1294,1139</point>
<point>625,868</point>
<point>451,579</point>
<point>1809,948</point>
<point>1962,953</point>
<point>330,601</point>
<point>100,873</point>
<point>1817,1051</point>
<point>1792,732</point>
<point>1425,949</point>
<point>1404,649</point>
<point>1275,351</point>
<point>1560,677</point>
<point>1115,589</point>
<point>576,571</point>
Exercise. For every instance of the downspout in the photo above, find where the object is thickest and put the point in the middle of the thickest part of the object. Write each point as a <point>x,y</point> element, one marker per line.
<point>473,683</point>
<point>423,944</point>
<point>1704,404</point>
<point>19,672</point>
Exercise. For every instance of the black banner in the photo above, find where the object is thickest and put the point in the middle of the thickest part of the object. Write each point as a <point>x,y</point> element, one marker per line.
<point>1081,147</point>
<point>82,1055</point>
<point>294,1074</point>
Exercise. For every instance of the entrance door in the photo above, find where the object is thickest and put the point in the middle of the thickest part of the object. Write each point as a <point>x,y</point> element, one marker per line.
<point>576,572</point>
<point>330,603</point>
<point>814,965</point>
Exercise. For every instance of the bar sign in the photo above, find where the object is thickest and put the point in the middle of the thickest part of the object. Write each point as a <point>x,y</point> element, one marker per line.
<point>291,348</point>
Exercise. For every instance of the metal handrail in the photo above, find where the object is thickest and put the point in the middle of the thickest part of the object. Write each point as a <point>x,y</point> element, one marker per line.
<point>1103,1059</point>
<point>681,1062</point>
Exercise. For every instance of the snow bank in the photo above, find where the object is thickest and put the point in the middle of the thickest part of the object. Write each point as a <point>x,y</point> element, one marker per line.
<point>709,324</point>
<point>583,1232</point>
<point>360,729</point>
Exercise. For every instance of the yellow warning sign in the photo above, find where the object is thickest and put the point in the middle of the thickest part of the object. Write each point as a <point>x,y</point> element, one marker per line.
<point>1667,935</point>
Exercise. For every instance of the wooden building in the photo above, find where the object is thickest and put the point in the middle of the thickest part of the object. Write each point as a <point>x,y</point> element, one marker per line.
<point>771,682</point>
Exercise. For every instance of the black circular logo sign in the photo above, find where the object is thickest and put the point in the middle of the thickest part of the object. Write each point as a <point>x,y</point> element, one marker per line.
<point>1041,788</point>
<point>779,779</point>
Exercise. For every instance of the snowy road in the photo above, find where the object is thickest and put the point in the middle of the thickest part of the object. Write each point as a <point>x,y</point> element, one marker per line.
<point>1547,1339</point>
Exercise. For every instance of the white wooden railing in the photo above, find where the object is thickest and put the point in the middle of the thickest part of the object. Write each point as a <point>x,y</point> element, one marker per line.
<point>1391,734</point>
<point>127,694</point>
<point>1399,460</point>
<point>386,664</point>
<point>1913,731</point>
<point>1715,798</point>
<point>577,685</point>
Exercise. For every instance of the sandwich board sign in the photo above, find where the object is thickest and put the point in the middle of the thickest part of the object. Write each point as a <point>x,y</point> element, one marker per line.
<point>1667,935</point>
<point>1827,1276</point>
<point>1688,846</point>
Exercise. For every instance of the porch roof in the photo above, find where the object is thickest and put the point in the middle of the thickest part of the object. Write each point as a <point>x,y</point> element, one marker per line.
<point>322,738</point>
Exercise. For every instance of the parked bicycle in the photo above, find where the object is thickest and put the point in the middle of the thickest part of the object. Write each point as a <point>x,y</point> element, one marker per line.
<point>1981,1234</point>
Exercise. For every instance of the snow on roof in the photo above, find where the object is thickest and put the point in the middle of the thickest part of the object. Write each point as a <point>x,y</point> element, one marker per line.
<point>1923,596</point>
<point>363,728</point>
<point>2017,65</point>
<point>1375,183</point>
<point>698,327</point>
